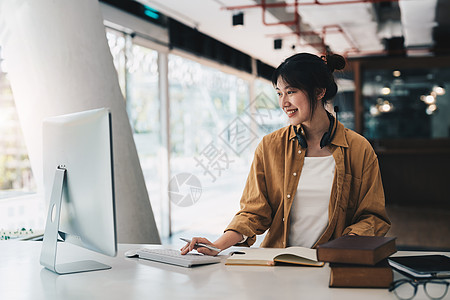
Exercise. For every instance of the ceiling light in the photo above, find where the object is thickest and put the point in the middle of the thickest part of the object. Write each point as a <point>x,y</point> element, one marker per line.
<point>277,43</point>
<point>429,99</point>
<point>386,90</point>
<point>386,106</point>
<point>238,19</point>
<point>431,109</point>
<point>374,111</point>
<point>383,106</point>
<point>396,73</point>
<point>439,89</point>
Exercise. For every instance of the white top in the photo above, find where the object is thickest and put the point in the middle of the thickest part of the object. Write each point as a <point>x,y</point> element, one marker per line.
<point>309,211</point>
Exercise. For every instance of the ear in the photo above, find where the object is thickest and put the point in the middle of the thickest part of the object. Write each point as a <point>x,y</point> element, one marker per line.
<point>320,92</point>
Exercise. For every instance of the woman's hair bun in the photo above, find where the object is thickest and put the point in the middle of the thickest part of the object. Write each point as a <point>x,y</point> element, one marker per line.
<point>335,62</point>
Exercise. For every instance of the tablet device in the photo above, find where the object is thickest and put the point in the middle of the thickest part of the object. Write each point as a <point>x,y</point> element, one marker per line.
<point>422,266</point>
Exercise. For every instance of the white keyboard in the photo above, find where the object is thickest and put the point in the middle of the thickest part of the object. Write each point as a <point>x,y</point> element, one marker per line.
<point>20,234</point>
<point>174,257</point>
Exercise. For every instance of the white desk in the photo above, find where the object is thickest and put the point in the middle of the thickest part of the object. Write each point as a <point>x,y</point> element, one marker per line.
<point>22,277</point>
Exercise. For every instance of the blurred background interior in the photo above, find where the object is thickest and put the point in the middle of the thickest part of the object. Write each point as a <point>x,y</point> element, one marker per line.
<point>214,102</point>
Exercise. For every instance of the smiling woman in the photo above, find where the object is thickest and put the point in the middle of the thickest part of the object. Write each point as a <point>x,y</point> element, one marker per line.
<point>312,181</point>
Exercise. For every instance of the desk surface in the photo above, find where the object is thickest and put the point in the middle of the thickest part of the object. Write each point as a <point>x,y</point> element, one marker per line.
<point>22,277</point>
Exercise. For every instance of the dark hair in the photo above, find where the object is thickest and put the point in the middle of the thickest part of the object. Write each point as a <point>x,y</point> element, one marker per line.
<point>308,72</point>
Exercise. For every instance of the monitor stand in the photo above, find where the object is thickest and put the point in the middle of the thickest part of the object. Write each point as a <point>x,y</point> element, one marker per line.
<point>50,243</point>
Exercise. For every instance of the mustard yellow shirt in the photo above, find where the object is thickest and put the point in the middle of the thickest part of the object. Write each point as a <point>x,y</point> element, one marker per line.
<point>357,203</point>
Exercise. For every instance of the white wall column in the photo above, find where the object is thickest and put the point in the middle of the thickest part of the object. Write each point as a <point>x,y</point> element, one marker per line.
<point>163,67</point>
<point>59,62</point>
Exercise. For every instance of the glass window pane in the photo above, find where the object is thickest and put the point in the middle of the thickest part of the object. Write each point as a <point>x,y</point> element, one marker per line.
<point>214,131</point>
<point>143,109</point>
<point>17,184</point>
<point>267,113</point>
<point>116,42</point>
<point>137,69</point>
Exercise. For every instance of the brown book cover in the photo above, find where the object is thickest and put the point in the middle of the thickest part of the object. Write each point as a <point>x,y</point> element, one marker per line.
<point>361,276</point>
<point>351,249</point>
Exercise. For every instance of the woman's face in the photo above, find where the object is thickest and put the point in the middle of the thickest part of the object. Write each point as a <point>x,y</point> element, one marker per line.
<point>294,102</point>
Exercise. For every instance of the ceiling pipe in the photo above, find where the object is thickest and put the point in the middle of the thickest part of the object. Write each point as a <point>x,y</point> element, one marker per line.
<point>295,22</point>
<point>352,53</point>
<point>318,45</point>
<point>328,29</point>
<point>333,28</point>
<point>316,2</point>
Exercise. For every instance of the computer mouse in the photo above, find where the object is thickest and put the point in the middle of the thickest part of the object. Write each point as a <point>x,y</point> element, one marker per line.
<point>131,253</point>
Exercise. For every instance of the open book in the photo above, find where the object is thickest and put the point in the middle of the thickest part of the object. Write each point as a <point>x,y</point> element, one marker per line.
<point>270,256</point>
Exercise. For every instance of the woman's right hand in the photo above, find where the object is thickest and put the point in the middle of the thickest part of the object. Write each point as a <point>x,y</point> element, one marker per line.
<point>193,245</point>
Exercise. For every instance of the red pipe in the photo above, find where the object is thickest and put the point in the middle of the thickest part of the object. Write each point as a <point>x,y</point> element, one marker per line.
<point>334,28</point>
<point>371,53</point>
<point>316,2</point>
<point>296,21</point>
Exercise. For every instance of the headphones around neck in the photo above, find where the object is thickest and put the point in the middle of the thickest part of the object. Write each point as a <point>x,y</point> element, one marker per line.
<point>327,136</point>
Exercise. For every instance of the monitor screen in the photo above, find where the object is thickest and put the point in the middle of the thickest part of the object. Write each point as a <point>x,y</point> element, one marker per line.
<point>81,145</point>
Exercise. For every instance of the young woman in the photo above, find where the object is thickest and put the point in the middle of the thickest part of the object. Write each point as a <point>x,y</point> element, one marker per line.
<point>313,180</point>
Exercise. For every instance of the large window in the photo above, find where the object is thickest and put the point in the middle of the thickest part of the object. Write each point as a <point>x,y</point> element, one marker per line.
<point>143,107</point>
<point>215,127</point>
<point>216,121</point>
<point>211,142</point>
<point>137,69</point>
<point>18,206</point>
<point>117,45</point>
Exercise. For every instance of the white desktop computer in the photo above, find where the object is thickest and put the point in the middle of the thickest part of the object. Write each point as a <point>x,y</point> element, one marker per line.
<point>79,187</point>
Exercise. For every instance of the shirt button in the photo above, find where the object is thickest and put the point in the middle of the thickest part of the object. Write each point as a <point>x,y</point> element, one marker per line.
<point>283,219</point>
<point>299,151</point>
<point>289,196</point>
<point>295,174</point>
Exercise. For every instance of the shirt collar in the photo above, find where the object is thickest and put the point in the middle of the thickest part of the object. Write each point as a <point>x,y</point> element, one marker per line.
<point>338,140</point>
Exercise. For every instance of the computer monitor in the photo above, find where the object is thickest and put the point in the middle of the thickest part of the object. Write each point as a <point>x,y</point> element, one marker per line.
<point>79,187</point>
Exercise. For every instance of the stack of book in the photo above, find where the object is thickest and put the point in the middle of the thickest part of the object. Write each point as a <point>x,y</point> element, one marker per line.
<point>358,261</point>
